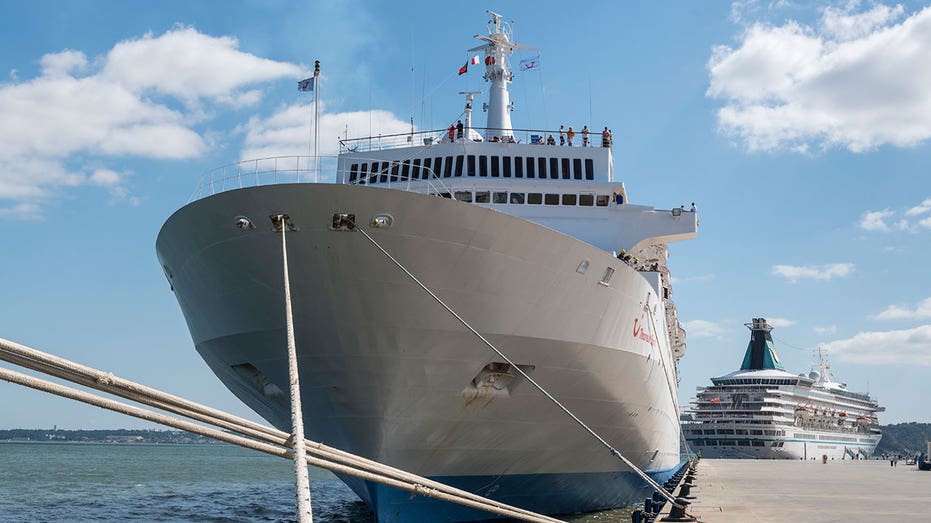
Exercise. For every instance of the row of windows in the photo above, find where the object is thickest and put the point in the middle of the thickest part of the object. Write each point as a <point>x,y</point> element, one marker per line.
<point>457,166</point>
<point>533,198</point>
<point>734,443</point>
<point>743,432</point>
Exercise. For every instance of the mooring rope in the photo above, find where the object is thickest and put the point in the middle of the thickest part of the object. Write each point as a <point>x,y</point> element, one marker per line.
<point>301,479</point>
<point>646,477</point>
<point>270,440</point>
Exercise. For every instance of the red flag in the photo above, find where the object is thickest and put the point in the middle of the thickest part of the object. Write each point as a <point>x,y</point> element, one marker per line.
<point>463,69</point>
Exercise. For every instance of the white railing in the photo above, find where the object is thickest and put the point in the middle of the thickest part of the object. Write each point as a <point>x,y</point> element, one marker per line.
<point>302,169</point>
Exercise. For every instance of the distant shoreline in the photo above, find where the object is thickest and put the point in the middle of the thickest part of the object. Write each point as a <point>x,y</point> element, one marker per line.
<point>104,436</point>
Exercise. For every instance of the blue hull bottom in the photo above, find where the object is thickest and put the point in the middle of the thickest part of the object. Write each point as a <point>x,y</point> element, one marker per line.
<point>543,493</point>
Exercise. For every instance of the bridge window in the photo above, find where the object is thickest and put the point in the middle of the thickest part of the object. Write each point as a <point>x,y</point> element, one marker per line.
<point>499,197</point>
<point>565,169</point>
<point>568,199</point>
<point>427,168</point>
<point>517,197</point>
<point>587,199</point>
<point>383,172</point>
<point>394,171</point>
<point>589,169</point>
<point>437,167</point>
<point>601,200</point>
<point>448,167</point>
<point>506,167</point>
<point>541,167</point>
<point>406,170</point>
<point>534,198</point>
<point>483,165</point>
<point>363,172</point>
<point>482,197</point>
<point>470,165</point>
<point>415,171</point>
<point>554,168</point>
<point>353,172</point>
<point>519,167</point>
<point>458,166</point>
<point>495,166</point>
<point>551,199</point>
<point>531,164</point>
<point>464,196</point>
<point>577,168</point>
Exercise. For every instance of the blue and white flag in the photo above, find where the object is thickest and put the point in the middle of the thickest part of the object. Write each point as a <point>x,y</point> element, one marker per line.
<point>306,84</point>
<point>530,64</point>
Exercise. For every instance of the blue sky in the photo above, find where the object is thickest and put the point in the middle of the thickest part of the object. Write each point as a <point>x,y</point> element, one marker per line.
<point>799,129</point>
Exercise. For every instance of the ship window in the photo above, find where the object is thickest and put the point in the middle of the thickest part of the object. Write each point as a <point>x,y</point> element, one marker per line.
<point>756,432</point>
<point>406,170</point>
<point>499,197</point>
<point>495,166</point>
<point>383,172</point>
<point>587,199</point>
<point>541,167</point>
<point>568,199</point>
<point>577,168</point>
<point>712,443</point>
<point>727,443</point>
<point>534,198</point>
<point>565,168</point>
<point>464,196</point>
<point>427,168</point>
<point>448,167</point>
<point>696,431</point>
<point>517,197</point>
<point>506,166</point>
<point>743,443</point>
<point>756,443</point>
<point>470,165</point>
<point>482,196</point>
<point>531,164</point>
<point>607,276</point>
<point>601,200</point>
<point>742,432</point>
<point>394,171</point>
<point>483,165</point>
<point>353,172</point>
<point>554,168</point>
<point>519,167</point>
<point>589,169</point>
<point>725,431</point>
<point>437,167</point>
<point>415,170</point>
<point>709,431</point>
<point>363,172</point>
<point>459,165</point>
<point>551,199</point>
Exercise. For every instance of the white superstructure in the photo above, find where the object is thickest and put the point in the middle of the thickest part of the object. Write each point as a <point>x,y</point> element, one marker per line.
<point>762,411</point>
<point>521,239</point>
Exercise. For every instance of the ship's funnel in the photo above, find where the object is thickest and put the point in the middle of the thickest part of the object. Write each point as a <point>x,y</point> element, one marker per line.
<point>760,352</point>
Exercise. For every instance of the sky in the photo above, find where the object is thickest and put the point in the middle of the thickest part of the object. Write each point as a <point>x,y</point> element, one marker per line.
<point>800,130</point>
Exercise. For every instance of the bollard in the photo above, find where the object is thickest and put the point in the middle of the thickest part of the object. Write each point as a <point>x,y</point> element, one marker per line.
<point>636,516</point>
<point>678,514</point>
<point>685,490</point>
<point>648,506</point>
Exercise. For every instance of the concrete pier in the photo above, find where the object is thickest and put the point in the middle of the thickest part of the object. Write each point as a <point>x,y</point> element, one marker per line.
<point>775,491</point>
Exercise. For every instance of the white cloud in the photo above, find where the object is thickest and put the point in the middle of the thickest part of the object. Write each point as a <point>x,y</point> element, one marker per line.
<point>906,347</point>
<point>895,312</point>
<point>81,112</point>
<point>780,322</point>
<point>21,211</point>
<point>857,81</point>
<point>702,329</point>
<point>888,220</point>
<point>825,330</point>
<point>287,132</point>
<point>921,208</point>
<point>813,272</point>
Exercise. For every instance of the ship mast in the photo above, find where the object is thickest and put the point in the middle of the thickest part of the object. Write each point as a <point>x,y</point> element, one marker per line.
<point>497,49</point>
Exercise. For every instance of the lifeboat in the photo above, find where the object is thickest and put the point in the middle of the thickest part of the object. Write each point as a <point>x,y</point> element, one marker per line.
<point>804,411</point>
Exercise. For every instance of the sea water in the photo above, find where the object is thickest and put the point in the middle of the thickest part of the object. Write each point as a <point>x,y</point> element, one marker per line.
<point>83,482</point>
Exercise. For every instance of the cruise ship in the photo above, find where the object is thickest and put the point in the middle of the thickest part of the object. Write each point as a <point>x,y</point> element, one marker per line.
<point>538,247</point>
<point>762,411</point>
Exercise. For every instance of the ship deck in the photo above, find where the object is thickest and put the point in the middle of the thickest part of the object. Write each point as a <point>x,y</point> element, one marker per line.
<point>767,491</point>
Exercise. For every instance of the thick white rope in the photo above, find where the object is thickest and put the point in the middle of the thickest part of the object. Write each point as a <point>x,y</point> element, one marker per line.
<point>301,479</point>
<point>106,382</point>
<point>656,486</point>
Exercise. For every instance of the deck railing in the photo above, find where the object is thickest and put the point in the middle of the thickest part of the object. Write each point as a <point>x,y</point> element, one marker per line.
<point>487,134</point>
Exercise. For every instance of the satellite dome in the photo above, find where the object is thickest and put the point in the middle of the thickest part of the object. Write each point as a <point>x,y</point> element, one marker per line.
<point>814,375</point>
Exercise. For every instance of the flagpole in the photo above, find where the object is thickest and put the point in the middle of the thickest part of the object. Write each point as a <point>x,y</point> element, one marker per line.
<point>316,119</point>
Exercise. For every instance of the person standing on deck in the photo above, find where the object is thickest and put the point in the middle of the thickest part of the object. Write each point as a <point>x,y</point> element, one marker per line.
<point>570,134</point>
<point>605,137</point>
<point>459,128</point>
<point>562,136</point>
<point>584,136</point>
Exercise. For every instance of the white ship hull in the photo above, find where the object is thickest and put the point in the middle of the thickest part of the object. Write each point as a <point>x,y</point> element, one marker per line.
<point>796,444</point>
<point>388,374</point>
